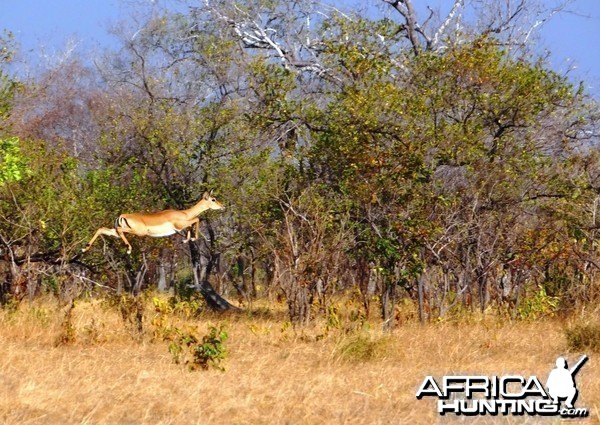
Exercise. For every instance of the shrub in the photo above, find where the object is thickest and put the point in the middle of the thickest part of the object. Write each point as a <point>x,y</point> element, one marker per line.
<point>363,347</point>
<point>583,337</point>
<point>68,332</point>
<point>200,353</point>
<point>538,305</point>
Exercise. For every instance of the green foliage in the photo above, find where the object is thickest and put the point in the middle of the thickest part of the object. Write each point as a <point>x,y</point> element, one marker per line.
<point>583,337</point>
<point>184,289</point>
<point>8,86</point>
<point>205,352</point>
<point>6,47</point>
<point>463,162</point>
<point>540,304</point>
<point>164,308</point>
<point>13,164</point>
<point>44,200</point>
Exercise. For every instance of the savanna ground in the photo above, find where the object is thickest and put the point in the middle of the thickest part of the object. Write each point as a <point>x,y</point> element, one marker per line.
<point>95,367</point>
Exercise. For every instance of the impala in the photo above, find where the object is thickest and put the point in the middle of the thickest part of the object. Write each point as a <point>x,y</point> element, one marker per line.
<point>158,224</point>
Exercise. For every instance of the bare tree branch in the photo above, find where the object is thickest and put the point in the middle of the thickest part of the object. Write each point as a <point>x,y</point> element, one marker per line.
<point>257,32</point>
<point>458,4</point>
<point>538,23</point>
<point>511,22</point>
<point>411,25</point>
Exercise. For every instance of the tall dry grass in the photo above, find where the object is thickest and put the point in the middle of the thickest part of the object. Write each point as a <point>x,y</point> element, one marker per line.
<point>96,369</point>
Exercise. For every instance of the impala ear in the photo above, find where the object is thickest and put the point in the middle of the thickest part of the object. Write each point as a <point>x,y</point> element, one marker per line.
<point>206,196</point>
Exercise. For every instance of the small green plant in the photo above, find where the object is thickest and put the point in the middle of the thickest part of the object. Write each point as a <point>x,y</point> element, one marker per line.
<point>333,318</point>
<point>333,322</point>
<point>539,305</point>
<point>41,314</point>
<point>200,353</point>
<point>583,337</point>
<point>162,310</point>
<point>188,307</point>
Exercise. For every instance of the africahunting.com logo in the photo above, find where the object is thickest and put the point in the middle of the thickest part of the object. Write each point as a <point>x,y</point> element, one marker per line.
<point>509,394</point>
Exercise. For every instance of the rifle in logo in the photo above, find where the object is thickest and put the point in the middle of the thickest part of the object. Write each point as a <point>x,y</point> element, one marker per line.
<point>561,381</point>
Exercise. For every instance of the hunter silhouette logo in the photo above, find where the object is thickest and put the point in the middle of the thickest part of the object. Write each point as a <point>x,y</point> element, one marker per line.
<point>508,395</point>
<point>561,381</point>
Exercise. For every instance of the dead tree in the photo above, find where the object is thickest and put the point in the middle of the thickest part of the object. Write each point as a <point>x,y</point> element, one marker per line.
<point>213,300</point>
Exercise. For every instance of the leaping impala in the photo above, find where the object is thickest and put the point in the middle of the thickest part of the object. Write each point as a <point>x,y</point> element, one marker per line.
<point>158,224</point>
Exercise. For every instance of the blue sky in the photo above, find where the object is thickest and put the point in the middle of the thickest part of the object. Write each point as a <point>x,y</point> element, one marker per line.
<point>572,37</point>
<point>45,27</point>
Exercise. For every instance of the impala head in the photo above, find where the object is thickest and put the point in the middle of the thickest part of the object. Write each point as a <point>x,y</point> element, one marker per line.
<point>213,204</point>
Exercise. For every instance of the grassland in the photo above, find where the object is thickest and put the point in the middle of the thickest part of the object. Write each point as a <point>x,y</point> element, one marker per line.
<point>97,368</point>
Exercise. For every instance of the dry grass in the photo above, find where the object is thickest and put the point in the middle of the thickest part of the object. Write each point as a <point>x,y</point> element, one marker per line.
<point>105,374</point>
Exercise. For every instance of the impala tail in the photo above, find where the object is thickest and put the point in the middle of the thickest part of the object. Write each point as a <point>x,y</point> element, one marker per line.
<point>121,222</point>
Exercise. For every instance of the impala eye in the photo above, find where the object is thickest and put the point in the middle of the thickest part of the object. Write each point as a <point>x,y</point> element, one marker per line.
<point>214,200</point>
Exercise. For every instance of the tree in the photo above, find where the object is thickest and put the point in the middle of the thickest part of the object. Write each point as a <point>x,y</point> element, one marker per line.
<point>435,159</point>
<point>8,85</point>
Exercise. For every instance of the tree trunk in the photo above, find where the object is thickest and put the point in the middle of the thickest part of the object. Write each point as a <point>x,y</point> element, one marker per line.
<point>162,277</point>
<point>214,301</point>
<point>483,289</point>
<point>299,300</point>
<point>421,296</point>
<point>388,302</point>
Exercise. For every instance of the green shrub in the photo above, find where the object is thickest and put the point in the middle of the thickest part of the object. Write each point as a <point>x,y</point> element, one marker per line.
<point>198,352</point>
<point>538,305</point>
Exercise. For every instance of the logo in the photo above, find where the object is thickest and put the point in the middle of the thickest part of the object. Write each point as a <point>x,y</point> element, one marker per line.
<point>508,395</point>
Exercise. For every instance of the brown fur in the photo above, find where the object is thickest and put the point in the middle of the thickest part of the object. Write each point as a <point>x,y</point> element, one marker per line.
<point>158,224</point>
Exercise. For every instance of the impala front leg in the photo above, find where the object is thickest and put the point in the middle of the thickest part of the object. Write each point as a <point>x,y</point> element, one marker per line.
<point>197,222</point>
<point>190,227</point>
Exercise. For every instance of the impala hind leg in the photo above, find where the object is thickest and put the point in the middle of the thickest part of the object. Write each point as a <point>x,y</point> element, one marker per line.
<point>121,234</point>
<point>101,231</point>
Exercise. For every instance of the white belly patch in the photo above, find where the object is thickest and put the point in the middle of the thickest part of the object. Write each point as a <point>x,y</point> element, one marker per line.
<point>166,229</point>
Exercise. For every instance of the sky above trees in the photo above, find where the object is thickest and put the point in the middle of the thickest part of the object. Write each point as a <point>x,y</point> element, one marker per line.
<point>49,30</point>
